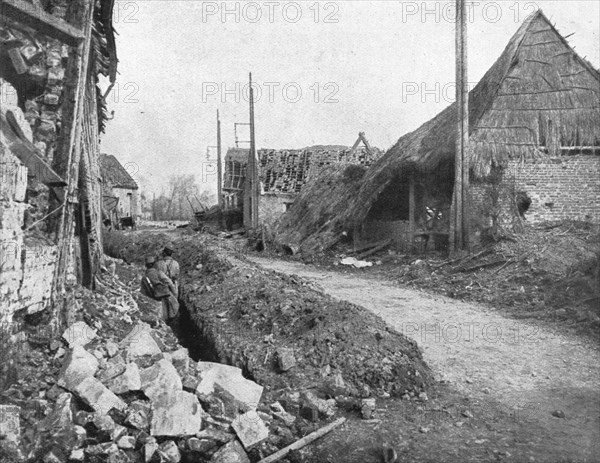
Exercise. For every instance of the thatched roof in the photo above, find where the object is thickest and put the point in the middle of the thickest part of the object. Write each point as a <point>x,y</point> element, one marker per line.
<point>538,96</point>
<point>308,225</point>
<point>538,81</point>
<point>114,174</point>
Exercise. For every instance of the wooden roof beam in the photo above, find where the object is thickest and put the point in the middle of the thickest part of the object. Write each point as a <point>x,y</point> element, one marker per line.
<point>33,16</point>
<point>361,138</point>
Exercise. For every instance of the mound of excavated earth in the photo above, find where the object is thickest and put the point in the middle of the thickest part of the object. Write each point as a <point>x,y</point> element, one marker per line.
<point>282,332</point>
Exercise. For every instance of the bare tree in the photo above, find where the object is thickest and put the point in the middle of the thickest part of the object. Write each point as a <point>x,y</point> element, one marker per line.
<point>180,199</point>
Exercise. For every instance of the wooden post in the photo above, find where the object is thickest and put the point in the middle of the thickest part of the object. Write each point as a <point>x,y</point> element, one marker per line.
<point>154,206</point>
<point>252,164</point>
<point>219,165</point>
<point>69,154</point>
<point>459,227</point>
<point>411,211</point>
<point>464,132</point>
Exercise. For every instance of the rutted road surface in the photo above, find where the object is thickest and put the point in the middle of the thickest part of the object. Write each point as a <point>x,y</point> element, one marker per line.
<point>486,356</point>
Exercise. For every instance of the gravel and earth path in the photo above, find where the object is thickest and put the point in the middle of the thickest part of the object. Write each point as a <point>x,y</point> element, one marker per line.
<point>531,370</point>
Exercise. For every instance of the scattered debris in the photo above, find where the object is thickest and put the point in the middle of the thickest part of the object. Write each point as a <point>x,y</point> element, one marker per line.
<point>367,408</point>
<point>286,359</point>
<point>9,423</point>
<point>304,441</point>
<point>79,334</point>
<point>250,429</point>
<point>352,261</point>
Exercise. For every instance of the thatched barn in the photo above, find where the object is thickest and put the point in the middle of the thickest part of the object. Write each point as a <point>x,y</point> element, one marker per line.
<point>534,143</point>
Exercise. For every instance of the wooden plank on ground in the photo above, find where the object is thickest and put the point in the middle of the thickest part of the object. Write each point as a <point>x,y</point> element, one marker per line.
<point>378,248</point>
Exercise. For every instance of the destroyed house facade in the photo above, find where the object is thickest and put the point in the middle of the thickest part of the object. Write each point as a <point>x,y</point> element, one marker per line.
<point>283,173</point>
<point>120,191</point>
<point>236,161</point>
<point>52,114</point>
<point>534,150</point>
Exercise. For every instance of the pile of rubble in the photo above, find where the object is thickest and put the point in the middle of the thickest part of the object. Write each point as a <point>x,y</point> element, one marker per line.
<point>134,397</point>
<point>115,389</point>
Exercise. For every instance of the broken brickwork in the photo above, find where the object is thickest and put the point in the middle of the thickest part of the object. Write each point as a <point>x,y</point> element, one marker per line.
<point>27,258</point>
<point>37,83</point>
<point>548,190</point>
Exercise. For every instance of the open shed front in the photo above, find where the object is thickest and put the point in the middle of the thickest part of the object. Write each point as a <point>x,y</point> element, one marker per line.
<point>412,211</point>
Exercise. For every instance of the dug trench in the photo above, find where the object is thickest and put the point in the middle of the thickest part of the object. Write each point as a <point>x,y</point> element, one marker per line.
<point>240,314</point>
<point>236,313</point>
<point>319,357</point>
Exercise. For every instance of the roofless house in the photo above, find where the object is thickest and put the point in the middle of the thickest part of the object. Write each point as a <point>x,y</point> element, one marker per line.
<point>534,145</point>
<point>284,173</point>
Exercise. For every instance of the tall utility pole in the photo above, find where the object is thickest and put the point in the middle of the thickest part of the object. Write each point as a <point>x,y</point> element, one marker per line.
<point>459,227</point>
<point>252,165</point>
<point>219,165</point>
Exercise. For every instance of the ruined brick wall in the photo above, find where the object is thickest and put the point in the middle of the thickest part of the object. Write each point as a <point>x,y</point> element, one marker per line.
<point>26,264</point>
<point>13,184</point>
<point>560,188</point>
<point>26,261</point>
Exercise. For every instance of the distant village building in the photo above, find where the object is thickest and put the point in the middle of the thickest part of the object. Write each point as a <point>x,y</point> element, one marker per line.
<point>283,173</point>
<point>121,192</point>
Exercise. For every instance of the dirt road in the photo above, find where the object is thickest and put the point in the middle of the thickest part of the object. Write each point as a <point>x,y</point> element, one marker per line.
<point>534,372</point>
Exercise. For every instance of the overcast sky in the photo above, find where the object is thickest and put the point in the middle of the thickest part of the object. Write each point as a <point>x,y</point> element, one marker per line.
<point>323,71</point>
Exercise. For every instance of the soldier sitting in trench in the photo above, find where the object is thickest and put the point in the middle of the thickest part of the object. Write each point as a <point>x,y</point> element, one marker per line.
<point>169,267</point>
<point>157,285</point>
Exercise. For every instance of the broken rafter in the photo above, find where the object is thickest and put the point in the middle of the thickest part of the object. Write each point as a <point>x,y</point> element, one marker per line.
<point>35,17</point>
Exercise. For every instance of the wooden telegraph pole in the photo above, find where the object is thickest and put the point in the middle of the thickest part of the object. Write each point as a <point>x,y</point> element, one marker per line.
<point>252,165</point>
<point>219,165</point>
<point>459,227</point>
